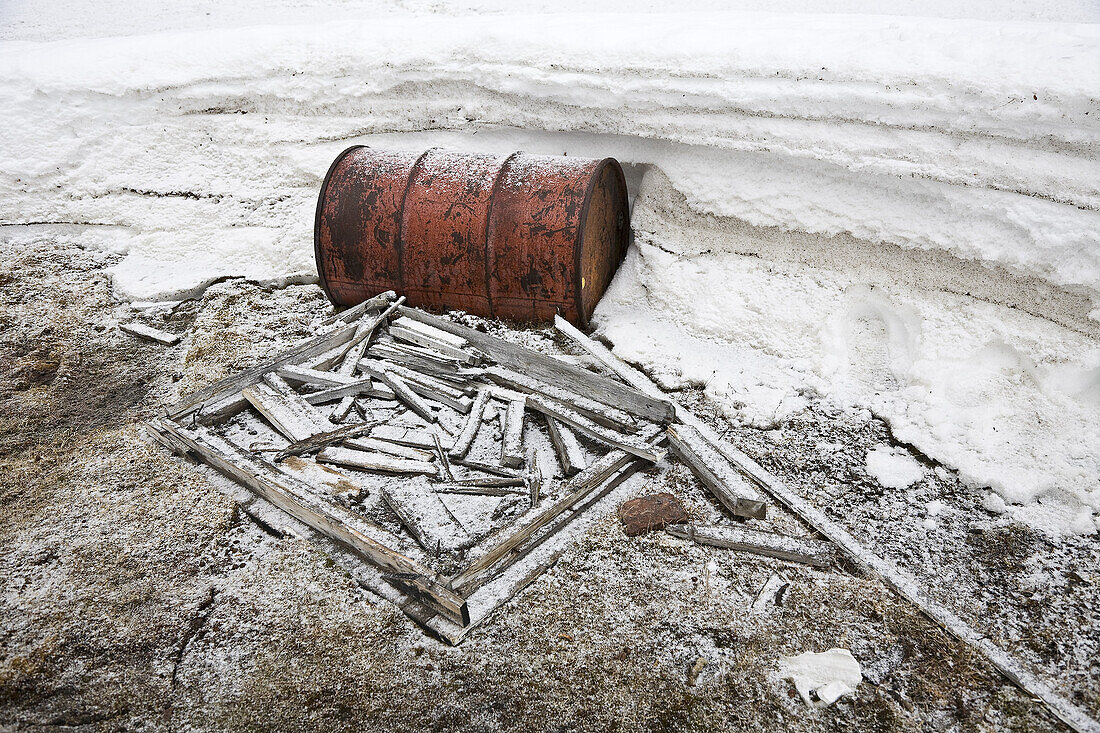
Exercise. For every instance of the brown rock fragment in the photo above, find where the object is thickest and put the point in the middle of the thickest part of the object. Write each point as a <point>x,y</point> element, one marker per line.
<point>649,513</point>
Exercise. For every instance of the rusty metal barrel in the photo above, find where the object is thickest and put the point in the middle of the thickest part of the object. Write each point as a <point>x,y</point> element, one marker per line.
<point>520,237</point>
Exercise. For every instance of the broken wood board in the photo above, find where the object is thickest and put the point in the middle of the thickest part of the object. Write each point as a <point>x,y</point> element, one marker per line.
<point>769,544</point>
<point>298,500</point>
<point>426,518</point>
<point>375,461</point>
<point>638,444</point>
<point>285,414</point>
<point>605,415</point>
<point>723,480</point>
<point>570,454</point>
<point>394,449</point>
<point>424,341</point>
<point>403,393</point>
<point>150,333</point>
<point>554,371</point>
<point>365,386</point>
<point>470,428</point>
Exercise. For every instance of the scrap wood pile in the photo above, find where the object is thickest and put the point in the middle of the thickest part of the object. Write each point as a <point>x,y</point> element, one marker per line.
<point>445,456</point>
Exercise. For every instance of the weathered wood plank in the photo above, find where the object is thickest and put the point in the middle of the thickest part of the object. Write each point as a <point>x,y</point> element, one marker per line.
<point>637,444</point>
<point>431,332</point>
<point>554,371</point>
<point>427,387</point>
<point>569,451</point>
<point>404,435</point>
<point>374,461</point>
<point>511,451</point>
<point>730,488</point>
<point>394,449</point>
<point>605,415</point>
<point>284,414</point>
<point>299,501</point>
<point>489,468</point>
<point>810,552</point>
<point>425,517</point>
<point>418,338</point>
<point>479,490</point>
<point>363,386</point>
<point>403,392</point>
<point>148,332</point>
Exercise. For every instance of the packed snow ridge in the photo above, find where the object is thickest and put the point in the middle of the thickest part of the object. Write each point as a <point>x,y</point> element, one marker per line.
<point>899,214</point>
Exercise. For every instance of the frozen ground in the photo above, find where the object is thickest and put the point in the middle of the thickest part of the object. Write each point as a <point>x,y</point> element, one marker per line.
<point>858,238</point>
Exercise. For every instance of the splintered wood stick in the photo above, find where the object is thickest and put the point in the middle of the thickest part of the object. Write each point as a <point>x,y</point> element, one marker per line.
<point>366,329</point>
<point>299,500</point>
<point>493,481</point>
<point>810,552</point>
<point>511,454</point>
<point>488,468</point>
<point>320,440</point>
<point>351,359</point>
<point>636,444</point>
<point>724,481</point>
<point>592,409</point>
<point>148,332</point>
<point>569,451</point>
<point>373,461</point>
<point>478,490</point>
<point>469,429</point>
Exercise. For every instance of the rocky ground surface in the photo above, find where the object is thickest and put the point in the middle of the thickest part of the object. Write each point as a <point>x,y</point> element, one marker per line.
<point>135,595</point>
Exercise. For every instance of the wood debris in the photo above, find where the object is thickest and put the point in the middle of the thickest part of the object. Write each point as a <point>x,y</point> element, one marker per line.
<point>153,334</point>
<point>432,415</point>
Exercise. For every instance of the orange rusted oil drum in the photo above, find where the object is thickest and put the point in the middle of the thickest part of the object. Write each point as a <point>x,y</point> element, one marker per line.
<point>520,237</point>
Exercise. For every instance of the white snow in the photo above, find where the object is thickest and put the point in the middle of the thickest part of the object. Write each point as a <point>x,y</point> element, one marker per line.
<point>900,212</point>
<point>894,468</point>
<point>828,674</point>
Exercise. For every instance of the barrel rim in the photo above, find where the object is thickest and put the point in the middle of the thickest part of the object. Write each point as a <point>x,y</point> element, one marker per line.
<point>582,226</point>
<point>322,280</point>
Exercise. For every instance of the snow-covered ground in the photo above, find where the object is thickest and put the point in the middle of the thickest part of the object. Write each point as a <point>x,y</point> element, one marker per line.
<point>900,212</point>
